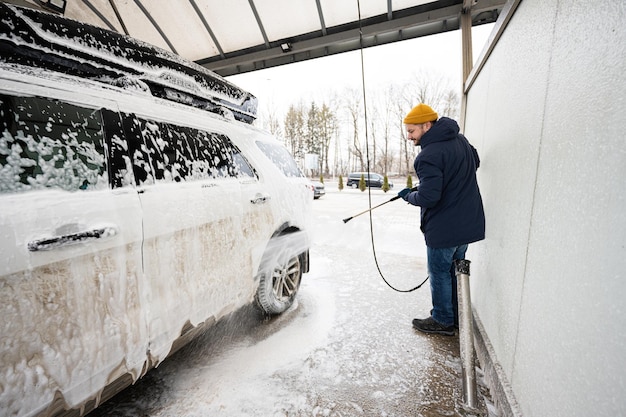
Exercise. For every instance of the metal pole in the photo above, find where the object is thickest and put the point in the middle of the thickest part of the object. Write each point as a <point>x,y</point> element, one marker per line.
<point>462,266</point>
<point>466,54</point>
<point>466,39</point>
<point>466,334</point>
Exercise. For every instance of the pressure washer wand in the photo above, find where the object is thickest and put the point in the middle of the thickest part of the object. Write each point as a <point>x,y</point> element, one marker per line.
<point>370,209</point>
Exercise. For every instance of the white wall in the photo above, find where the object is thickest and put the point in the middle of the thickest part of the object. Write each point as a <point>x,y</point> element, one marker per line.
<point>547,114</point>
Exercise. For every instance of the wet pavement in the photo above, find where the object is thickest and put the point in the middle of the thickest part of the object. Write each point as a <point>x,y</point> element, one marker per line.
<point>346,348</point>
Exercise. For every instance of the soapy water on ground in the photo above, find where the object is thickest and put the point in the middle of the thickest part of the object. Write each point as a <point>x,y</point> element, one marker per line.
<point>346,347</point>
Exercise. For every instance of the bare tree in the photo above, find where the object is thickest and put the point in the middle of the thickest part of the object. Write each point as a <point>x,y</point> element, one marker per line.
<point>370,138</point>
<point>313,135</point>
<point>328,127</point>
<point>451,104</point>
<point>385,105</point>
<point>435,91</point>
<point>294,131</point>
<point>268,119</point>
<point>338,163</point>
<point>352,105</point>
<point>429,89</point>
<point>273,125</point>
<point>334,130</point>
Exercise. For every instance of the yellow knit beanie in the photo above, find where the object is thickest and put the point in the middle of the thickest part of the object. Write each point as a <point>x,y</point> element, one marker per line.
<point>419,114</point>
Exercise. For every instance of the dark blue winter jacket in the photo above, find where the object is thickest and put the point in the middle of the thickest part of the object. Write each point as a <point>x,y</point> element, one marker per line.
<point>448,194</point>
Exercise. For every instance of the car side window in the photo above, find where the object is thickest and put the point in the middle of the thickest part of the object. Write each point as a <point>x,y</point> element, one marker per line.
<point>172,153</point>
<point>281,158</point>
<point>48,143</point>
<point>216,154</point>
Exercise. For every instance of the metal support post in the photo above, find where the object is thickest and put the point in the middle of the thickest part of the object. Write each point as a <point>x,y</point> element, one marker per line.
<point>466,333</point>
<point>466,54</point>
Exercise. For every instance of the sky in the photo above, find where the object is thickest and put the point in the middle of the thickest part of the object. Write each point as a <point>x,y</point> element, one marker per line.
<point>314,80</point>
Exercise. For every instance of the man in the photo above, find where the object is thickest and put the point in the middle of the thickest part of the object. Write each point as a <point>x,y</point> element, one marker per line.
<point>452,213</point>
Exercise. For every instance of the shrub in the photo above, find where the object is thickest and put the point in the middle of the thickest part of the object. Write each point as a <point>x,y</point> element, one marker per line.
<point>385,183</point>
<point>362,185</point>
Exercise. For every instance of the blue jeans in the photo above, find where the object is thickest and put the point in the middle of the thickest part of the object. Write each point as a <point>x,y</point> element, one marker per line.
<point>443,283</point>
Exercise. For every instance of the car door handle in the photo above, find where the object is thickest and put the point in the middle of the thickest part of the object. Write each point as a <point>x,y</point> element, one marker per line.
<point>260,198</point>
<point>72,239</point>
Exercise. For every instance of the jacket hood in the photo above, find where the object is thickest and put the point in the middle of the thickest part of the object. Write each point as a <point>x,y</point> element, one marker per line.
<point>444,129</point>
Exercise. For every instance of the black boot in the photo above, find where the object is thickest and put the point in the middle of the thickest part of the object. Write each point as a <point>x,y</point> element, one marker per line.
<point>429,325</point>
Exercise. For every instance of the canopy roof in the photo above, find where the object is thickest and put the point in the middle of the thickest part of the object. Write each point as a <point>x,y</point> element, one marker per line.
<point>237,36</point>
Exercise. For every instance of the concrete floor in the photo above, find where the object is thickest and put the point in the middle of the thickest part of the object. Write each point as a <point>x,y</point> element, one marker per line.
<point>346,348</point>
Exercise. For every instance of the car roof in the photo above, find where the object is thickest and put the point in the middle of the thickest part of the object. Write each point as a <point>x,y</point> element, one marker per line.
<point>38,39</point>
<point>364,173</point>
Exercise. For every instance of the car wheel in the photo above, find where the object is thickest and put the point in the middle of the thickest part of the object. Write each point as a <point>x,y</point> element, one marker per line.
<point>278,285</point>
<point>353,185</point>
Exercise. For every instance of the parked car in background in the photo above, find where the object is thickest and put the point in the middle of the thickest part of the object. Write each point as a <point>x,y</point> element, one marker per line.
<point>371,180</point>
<point>318,189</point>
<point>138,205</point>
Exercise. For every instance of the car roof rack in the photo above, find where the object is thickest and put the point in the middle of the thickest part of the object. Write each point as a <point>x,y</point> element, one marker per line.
<point>40,39</point>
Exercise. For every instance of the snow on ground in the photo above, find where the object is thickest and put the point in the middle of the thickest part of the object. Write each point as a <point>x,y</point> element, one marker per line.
<point>346,348</point>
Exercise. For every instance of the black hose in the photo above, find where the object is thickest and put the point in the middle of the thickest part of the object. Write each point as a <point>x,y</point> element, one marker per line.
<point>367,154</point>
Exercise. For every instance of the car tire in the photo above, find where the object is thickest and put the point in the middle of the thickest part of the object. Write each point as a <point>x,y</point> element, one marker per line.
<point>279,284</point>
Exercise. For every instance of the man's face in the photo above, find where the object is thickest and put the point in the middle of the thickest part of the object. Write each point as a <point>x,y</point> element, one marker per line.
<point>415,132</point>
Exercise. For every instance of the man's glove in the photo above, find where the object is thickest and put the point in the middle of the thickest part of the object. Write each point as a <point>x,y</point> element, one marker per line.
<point>404,194</point>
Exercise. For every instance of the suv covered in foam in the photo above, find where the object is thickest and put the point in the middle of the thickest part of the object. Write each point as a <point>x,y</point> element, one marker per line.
<point>137,205</point>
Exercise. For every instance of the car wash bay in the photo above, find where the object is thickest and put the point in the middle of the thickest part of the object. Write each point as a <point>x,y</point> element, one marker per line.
<point>346,348</point>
